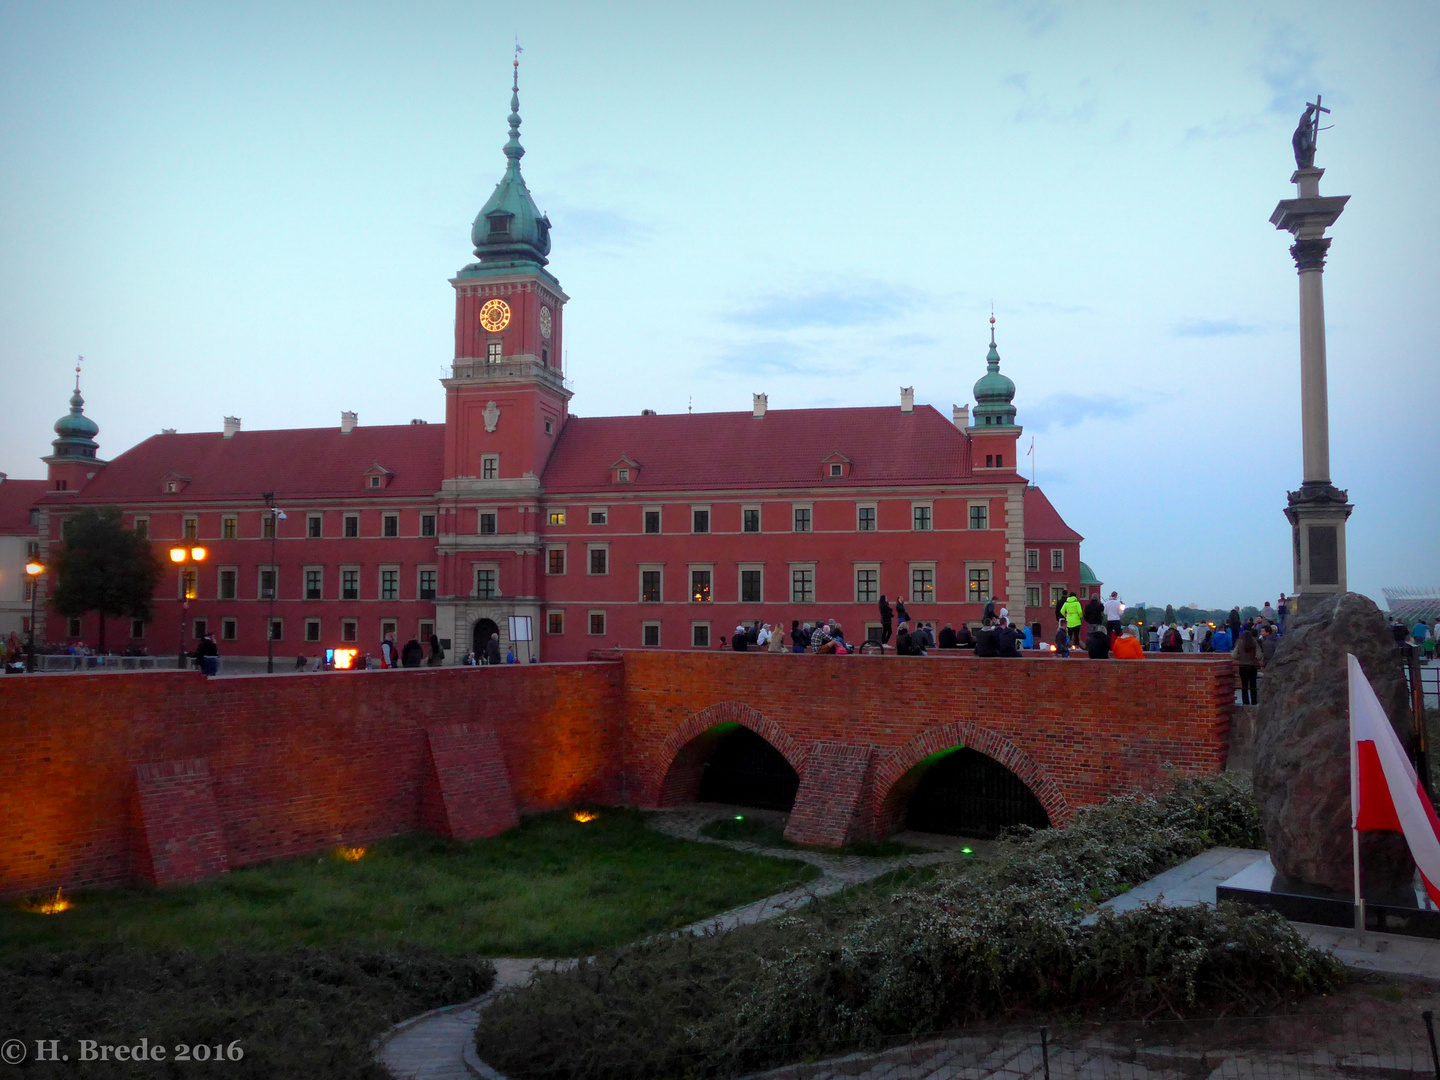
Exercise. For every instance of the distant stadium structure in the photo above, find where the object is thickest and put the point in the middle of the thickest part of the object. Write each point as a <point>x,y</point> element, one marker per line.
<point>1415,602</point>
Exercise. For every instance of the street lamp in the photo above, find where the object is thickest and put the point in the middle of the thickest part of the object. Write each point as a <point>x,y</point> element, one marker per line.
<point>276,516</point>
<point>181,556</point>
<point>34,569</point>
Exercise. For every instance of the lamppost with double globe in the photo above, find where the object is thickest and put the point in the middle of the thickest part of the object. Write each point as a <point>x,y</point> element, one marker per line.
<point>34,569</point>
<point>181,557</point>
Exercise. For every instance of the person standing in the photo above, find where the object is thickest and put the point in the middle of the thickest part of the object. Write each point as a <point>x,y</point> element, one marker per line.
<point>1234,622</point>
<point>901,615</point>
<point>1249,659</point>
<point>437,654</point>
<point>887,619</point>
<point>1074,615</point>
<point>389,654</point>
<point>1095,611</point>
<point>777,638</point>
<point>1281,610</point>
<point>1114,608</point>
<point>492,649</point>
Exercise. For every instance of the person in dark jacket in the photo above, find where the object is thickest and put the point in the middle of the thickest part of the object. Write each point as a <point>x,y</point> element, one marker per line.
<point>1095,611</point>
<point>947,637</point>
<point>437,654</point>
<point>989,612</point>
<point>902,641</point>
<point>1007,639</point>
<point>964,639</point>
<point>412,654</point>
<point>900,613</point>
<point>887,617</point>
<point>1249,658</point>
<point>741,641</point>
<point>1062,640</point>
<point>1234,623</point>
<point>492,649</point>
<point>1269,642</point>
<point>1097,643</point>
<point>986,643</point>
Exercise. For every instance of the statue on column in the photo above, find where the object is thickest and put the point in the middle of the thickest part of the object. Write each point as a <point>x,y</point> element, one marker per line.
<point>1303,140</point>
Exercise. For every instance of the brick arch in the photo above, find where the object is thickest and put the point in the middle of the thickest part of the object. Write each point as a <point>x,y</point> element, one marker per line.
<point>896,777</point>
<point>684,752</point>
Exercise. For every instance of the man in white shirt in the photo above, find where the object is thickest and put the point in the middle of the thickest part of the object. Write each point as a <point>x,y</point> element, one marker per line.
<point>1114,608</point>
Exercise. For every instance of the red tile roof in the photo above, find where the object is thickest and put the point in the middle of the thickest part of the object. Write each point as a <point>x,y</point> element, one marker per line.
<point>784,448</point>
<point>298,463</point>
<point>1043,521</point>
<point>16,499</point>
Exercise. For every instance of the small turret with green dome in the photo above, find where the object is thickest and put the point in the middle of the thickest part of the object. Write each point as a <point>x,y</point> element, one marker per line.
<point>76,432</point>
<point>994,392</point>
<point>510,231</point>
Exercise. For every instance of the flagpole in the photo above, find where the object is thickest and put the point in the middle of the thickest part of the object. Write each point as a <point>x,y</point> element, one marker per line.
<point>1355,811</point>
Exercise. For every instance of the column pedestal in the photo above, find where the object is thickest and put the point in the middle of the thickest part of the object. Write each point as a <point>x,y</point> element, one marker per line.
<point>1317,514</point>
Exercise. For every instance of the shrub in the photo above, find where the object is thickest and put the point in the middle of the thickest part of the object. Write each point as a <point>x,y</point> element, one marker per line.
<point>294,1012</point>
<point>975,941</point>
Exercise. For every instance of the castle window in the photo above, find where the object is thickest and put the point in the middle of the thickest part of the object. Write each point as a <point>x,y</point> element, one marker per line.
<point>314,526</point>
<point>390,525</point>
<point>427,524</point>
<point>920,514</point>
<point>549,426</point>
<point>137,628</point>
<point>650,635</point>
<point>700,521</point>
<point>314,583</point>
<point>374,481</point>
<point>228,526</point>
<point>1032,562</point>
<point>486,586</point>
<point>427,585</point>
<point>865,518</point>
<point>700,635</point>
<point>312,629</point>
<point>557,517</point>
<point>349,630</point>
<point>487,524</point>
<point>622,476</point>
<point>836,469</point>
<point>229,629</point>
<point>999,461</point>
<point>227,584</point>
<point>652,521</point>
<point>750,519</point>
<point>191,528</point>
<point>489,466</point>
<point>979,516</point>
<point>597,623</point>
<point>1057,558</point>
<point>555,622</point>
<point>352,525</point>
<point>492,352</point>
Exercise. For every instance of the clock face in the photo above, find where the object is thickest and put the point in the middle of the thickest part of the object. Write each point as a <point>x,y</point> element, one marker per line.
<point>546,322</point>
<point>495,315</point>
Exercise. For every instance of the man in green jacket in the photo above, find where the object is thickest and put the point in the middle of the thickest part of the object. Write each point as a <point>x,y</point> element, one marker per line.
<point>1074,615</point>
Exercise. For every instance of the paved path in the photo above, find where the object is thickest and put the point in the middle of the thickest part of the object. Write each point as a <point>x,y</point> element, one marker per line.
<point>438,1045</point>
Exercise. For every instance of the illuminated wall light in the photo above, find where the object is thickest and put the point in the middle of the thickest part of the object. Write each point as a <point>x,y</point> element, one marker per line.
<point>351,854</point>
<point>345,659</point>
<point>50,906</point>
<point>583,816</point>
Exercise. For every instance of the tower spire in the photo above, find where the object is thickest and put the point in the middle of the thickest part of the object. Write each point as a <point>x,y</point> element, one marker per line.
<point>513,150</point>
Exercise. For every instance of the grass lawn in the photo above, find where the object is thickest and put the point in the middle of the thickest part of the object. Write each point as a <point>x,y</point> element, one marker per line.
<point>755,831</point>
<point>552,887</point>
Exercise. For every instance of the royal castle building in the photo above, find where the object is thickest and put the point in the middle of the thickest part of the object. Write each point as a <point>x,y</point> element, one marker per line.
<point>642,531</point>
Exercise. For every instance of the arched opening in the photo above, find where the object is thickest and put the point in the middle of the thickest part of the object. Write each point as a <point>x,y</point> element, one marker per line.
<point>962,792</point>
<point>481,634</point>
<point>730,763</point>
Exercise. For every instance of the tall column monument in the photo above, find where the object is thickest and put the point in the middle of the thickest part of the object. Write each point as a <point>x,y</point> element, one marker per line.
<point>1318,510</point>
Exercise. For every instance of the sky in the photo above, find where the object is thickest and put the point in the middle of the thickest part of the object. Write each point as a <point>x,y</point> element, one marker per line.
<point>254,210</point>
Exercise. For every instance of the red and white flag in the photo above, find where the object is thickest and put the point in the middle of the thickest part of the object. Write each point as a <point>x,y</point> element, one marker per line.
<point>1385,793</point>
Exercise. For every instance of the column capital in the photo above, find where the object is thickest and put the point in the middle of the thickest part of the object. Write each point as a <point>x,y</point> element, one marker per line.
<point>1310,254</point>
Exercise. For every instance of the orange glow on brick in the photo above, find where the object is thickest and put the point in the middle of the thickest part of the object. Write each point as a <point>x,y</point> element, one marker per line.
<point>50,906</point>
<point>351,854</point>
<point>583,816</point>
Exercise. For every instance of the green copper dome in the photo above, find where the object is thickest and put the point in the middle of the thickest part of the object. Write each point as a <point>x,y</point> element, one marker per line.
<point>1087,576</point>
<point>994,392</point>
<point>76,431</point>
<point>510,231</point>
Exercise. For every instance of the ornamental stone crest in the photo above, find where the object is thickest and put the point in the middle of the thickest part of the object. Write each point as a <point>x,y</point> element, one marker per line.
<point>491,415</point>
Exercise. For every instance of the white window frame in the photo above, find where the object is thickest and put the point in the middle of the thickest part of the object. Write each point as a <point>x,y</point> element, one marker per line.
<point>599,515</point>
<point>928,505</point>
<point>385,521</point>
<point>305,572</point>
<point>590,549</point>
<point>1032,560</point>
<point>988,565</point>
<point>186,530</point>
<point>552,613</point>
<point>1032,596</point>
<point>866,566</point>
<point>220,572</point>
<point>709,519</point>
<point>691,569</point>
<point>271,626</point>
<point>433,520</point>
<point>809,508</point>
<point>380,572</point>
<point>590,630</point>
<point>555,518</point>
<point>740,571</point>
<point>345,533</point>
<point>647,625</point>
<point>874,508</point>
<point>317,626</point>
<point>359,590</point>
<point>922,566</point>
<point>790,569</point>
<point>481,514</point>
<point>230,523</point>
<point>229,628</point>
<point>564,560</point>
<point>659,512</point>
<point>485,568</point>
<point>1057,559</point>
<point>970,507</point>
<point>349,630</point>
<point>419,572</point>
<point>314,526</point>
<point>709,639</point>
<point>490,463</point>
<point>759,518</point>
<point>651,568</point>
<point>260,572</point>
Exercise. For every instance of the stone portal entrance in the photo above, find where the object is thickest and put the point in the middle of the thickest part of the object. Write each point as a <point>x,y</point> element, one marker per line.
<point>483,629</point>
<point>745,770</point>
<point>965,793</point>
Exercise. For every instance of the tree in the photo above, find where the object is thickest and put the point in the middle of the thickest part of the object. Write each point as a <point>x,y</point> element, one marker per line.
<point>1169,614</point>
<point>105,568</point>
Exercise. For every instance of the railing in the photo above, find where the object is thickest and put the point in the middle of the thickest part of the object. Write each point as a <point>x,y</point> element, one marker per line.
<point>510,367</point>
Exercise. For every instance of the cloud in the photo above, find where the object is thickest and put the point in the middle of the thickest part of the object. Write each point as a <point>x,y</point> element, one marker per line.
<point>1067,410</point>
<point>1224,128</point>
<point>1039,109</point>
<point>828,308</point>
<point>770,356</point>
<point>1289,70</point>
<point>1208,328</point>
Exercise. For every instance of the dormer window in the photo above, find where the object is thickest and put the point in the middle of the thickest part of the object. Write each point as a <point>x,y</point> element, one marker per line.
<point>499,224</point>
<point>173,483</point>
<point>374,481</point>
<point>622,475</point>
<point>623,471</point>
<point>377,477</point>
<point>836,469</point>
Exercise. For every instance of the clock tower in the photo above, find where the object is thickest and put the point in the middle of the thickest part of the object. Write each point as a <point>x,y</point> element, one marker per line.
<point>505,404</point>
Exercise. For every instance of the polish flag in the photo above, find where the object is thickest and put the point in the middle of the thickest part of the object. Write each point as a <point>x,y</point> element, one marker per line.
<point>1385,793</point>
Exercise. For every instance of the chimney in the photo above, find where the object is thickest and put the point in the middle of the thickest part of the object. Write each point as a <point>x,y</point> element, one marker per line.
<point>168,430</point>
<point>4,477</point>
<point>907,399</point>
<point>347,422</point>
<point>232,425</point>
<point>960,416</point>
<point>760,401</point>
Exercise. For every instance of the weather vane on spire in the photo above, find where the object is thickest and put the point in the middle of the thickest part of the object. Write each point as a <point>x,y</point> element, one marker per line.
<point>78,361</point>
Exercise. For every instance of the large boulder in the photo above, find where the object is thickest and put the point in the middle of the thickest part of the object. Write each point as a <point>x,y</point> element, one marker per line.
<point>1302,748</point>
